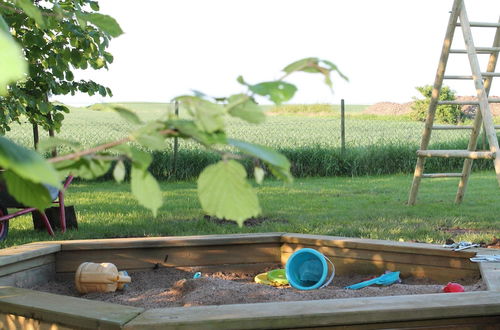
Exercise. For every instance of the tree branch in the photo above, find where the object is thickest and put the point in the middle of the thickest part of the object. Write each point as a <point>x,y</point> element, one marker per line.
<point>101,147</point>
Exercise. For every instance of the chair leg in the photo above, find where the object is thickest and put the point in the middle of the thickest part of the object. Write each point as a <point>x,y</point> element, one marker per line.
<point>62,212</point>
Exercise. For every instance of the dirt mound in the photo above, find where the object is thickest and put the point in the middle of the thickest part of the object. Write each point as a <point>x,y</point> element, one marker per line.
<point>388,108</point>
<point>470,110</point>
<point>397,109</point>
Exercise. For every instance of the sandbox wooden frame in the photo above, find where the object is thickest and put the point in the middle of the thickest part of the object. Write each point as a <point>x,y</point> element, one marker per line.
<point>42,261</point>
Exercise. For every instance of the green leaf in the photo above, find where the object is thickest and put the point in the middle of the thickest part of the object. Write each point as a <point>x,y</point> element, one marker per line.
<point>302,65</point>
<point>86,168</point>
<point>152,140</point>
<point>225,193</point>
<point>258,174</point>
<point>55,142</point>
<point>279,163</point>
<point>27,192</point>
<point>104,22</point>
<point>188,128</point>
<point>3,26</point>
<point>119,171</point>
<point>32,11</point>
<point>208,116</point>
<point>276,91</point>
<point>94,5</point>
<point>127,114</point>
<point>26,163</point>
<point>242,106</point>
<point>146,189</point>
<point>13,66</point>
<point>281,173</point>
<point>140,159</point>
<point>267,154</point>
<point>315,65</point>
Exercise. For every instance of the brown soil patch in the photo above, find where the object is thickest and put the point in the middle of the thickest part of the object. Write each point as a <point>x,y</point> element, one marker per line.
<point>397,109</point>
<point>388,108</point>
<point>170,287</point>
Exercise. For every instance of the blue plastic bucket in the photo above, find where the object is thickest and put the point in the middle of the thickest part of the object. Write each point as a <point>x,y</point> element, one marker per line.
<point>306,269</point>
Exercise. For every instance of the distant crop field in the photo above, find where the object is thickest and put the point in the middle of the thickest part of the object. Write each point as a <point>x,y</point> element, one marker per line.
<point>91,127</point>
<point>374,144</point>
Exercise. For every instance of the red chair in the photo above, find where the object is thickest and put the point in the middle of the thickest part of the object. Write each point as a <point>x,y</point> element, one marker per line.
<point>7,201</point>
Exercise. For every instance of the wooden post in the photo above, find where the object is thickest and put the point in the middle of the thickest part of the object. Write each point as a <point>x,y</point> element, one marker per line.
<point>438,82</point>
<point>176,142</point>
<point>342,126</point>
<point>483,116</point>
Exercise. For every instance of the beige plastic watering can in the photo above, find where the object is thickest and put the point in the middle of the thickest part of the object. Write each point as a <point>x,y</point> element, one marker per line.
<point>103,277</point>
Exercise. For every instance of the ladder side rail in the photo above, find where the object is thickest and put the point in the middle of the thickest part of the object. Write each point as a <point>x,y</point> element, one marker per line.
<point>466,170</point>
<point>487,117</point>
<point>438,82</point>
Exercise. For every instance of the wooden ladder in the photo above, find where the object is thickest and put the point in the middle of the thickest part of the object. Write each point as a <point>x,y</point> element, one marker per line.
<point>484,117</point>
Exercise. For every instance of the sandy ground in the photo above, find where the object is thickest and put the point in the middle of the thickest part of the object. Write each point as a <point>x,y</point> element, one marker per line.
<point>170,287</point>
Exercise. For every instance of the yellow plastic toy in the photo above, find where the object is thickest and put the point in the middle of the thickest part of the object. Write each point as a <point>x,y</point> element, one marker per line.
<point>103,277</point>
<point>276,277</point>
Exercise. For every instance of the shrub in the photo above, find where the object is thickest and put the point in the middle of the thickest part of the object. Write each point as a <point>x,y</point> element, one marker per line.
<point>449,114</point>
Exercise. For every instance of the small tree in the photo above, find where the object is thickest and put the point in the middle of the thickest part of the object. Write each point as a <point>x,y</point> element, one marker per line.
<point>449,114</point>
<point>60,37</point>
<point>223,188</point>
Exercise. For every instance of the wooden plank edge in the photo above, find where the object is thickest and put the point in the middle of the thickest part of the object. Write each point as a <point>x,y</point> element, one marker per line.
<point>68,311</point>
<point>18,253</point>
<point>321,312</point>
<point>25,265</point>
<point>394,258</point>
<point>490,272</point>
<point>376,245</point>
<point>170,241</point>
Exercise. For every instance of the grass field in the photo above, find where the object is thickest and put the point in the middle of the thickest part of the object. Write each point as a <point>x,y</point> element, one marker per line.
<point>367,207</point>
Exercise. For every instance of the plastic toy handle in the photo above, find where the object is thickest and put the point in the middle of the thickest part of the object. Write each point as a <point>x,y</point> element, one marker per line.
<point>361,285</point>
<point>331,276</point>
<point>123,279</point>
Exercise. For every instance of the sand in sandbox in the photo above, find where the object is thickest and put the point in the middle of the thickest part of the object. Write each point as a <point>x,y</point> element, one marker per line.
<point>170,287</point>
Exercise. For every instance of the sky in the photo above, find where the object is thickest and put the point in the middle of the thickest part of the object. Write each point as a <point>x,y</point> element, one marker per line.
<point>385,47</point>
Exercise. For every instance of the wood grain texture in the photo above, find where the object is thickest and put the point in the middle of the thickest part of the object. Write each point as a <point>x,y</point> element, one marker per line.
<point>68,311</point>
<point>322,313</point>
<point>373,244</point>
<point>32,276</point>
<point>143,258</point>
<point>386,256</point>
<point>174,241</point>
<point>348,266</point>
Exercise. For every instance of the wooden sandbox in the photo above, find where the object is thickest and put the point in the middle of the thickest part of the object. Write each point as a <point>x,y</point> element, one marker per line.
<point>39,262</point>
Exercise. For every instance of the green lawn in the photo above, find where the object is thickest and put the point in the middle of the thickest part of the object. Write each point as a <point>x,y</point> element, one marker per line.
<point>367,207</point>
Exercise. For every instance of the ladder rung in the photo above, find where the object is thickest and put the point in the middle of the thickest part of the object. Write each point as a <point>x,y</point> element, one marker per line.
<point>441,175</point>
<point>484,74</point>
<point>458,77</point>
<point>450,127</point>
<point>456,154</point>
<point>490,74</point>
<point>482,24</point>
<point>479,50</point>
<point>471,102</point>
